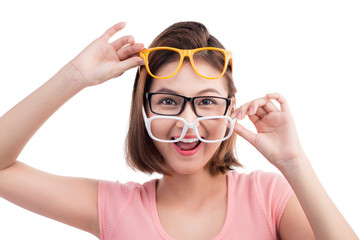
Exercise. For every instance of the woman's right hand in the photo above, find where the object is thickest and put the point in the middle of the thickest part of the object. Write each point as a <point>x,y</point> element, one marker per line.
<point>101,60</point>
<point>50,195</point>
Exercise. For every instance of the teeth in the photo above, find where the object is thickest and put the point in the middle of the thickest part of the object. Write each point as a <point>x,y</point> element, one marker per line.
<point>189,140</point>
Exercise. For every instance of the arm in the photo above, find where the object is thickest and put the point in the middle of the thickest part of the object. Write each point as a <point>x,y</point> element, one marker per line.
<point>69,200</point>
<point>324,217</point>
<point>311,213</point>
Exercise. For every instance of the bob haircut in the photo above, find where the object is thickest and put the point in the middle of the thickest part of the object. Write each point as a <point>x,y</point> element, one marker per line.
<point>141,153</point>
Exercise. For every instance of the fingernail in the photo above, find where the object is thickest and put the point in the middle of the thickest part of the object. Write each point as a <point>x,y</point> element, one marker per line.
<point>141,62</point>
<point>240,116</point>
<point>251,111</point>
<point>236,115</point>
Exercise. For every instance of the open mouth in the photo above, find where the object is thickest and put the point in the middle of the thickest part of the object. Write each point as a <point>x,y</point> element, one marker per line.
<point>187,144</point>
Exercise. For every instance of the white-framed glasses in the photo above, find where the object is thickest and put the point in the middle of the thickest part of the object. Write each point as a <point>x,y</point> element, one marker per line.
<point>217,127</point>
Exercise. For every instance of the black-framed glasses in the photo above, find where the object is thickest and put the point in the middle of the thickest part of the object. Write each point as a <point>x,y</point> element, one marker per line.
<point>170,104</point>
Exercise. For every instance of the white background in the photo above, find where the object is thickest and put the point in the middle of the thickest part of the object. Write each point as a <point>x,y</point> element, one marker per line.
<point>307,50</point>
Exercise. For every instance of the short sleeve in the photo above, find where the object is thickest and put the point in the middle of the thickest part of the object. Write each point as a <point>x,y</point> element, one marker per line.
<point>273,192</point>
<point>113,198</point>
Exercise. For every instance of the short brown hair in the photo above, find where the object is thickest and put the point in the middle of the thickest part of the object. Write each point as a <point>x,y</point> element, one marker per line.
<point>141,152</point>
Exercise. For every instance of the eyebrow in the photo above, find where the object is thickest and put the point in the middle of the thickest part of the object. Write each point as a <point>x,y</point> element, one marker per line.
<point>208,90</point>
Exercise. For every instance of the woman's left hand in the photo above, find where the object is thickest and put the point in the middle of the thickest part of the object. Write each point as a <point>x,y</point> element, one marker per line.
<point>276,137</point>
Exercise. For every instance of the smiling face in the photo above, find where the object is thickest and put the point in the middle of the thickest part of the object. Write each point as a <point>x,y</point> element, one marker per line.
<point>148,156</point>
<point>178,157</point>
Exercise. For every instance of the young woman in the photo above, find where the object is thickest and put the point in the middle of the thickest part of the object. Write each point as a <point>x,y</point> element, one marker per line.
<point>182,125</point>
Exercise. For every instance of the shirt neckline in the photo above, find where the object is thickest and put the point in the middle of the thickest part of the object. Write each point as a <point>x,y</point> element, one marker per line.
<point>228,218</point>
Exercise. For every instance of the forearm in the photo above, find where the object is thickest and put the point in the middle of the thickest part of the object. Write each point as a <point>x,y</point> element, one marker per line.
<point>21,122</point>
<point>324,217</point>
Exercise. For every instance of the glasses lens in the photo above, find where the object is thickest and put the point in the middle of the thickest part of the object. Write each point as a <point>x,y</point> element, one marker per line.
<point>216,58</point>
<point>214,129</point>
<point>161,128</point>
<point>166,104</point>
<point>158,57</point>
<point>210,106</point>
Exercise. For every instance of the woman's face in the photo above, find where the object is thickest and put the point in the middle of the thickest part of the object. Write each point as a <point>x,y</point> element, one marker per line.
<point>179,159</point>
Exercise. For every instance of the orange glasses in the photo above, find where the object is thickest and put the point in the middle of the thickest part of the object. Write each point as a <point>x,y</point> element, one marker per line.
<point>175,58</point>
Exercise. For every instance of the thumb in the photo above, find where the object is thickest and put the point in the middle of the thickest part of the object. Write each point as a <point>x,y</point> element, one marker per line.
<point>127,64</point>
<point>245,133</point>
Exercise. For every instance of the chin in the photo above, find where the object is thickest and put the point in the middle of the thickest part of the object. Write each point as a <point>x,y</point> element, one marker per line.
<point>186,165</point>
<point>182,169</point>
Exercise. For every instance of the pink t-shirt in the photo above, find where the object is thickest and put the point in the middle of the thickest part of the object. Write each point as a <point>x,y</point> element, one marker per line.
<point>255,203</point>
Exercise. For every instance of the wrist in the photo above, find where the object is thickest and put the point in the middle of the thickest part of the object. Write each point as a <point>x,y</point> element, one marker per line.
<point>66,82</point>
<point>294,165</point>
<point>72,76</point>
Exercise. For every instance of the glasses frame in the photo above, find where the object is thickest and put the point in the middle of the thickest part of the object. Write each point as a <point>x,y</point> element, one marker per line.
<point>187,126</point>
<point>186,53</point>
<point>148,96</point>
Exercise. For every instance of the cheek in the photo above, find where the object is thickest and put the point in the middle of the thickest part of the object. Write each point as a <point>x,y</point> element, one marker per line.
<point>162,147</point>
<point>161,128</point>
<point>213,129</point>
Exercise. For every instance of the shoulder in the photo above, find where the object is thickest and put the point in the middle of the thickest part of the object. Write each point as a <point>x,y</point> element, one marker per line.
<point>266,187</point>
<point>114,191</point>
<point>115,199</point>
<point>267,190</point>
<point>262,181</point>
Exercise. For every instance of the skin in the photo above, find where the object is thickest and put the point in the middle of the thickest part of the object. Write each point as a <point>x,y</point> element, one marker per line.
<point>185,199</point>
<point>192,192</point>
<point>186,82</point>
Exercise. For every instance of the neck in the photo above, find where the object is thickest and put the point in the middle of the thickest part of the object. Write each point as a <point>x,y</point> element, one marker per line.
<point>191,189</point>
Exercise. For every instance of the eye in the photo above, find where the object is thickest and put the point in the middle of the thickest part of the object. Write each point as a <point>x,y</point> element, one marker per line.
<point>167,101</point>
<point>207,101</point>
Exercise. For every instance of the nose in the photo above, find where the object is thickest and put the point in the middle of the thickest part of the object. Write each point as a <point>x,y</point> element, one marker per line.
<point>188,114</point>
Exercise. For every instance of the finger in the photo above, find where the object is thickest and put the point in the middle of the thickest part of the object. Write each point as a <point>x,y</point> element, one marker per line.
<point>129,51</point>
<point>245,133</point>
<point>128,64</point>
<point>250,108</point>
<point>240,112</point>
<point>263,103</point>
<point>114,29</point>
<point>261,112</point>
<point>270,107</point>
<point>279,98</point>
<point>254,119</point>
<point>119,43</point>
<point>137,55</point>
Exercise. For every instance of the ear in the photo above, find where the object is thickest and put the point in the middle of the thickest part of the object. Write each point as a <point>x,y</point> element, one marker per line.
<point>233,102</point>
<point>232,106</point>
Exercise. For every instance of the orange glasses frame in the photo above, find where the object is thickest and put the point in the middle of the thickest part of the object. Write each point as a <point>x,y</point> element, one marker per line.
<point>186,53</point>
